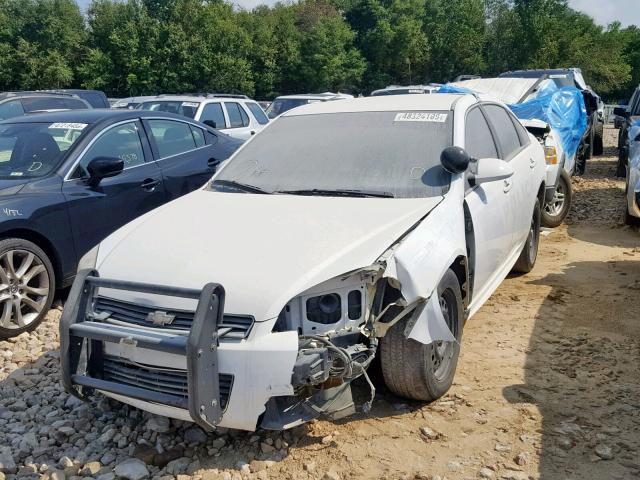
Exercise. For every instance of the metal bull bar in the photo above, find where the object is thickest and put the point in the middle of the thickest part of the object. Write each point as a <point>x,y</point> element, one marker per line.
<point>82,332</point>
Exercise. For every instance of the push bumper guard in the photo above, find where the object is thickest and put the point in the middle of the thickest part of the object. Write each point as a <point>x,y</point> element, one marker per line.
<point>79,323</point>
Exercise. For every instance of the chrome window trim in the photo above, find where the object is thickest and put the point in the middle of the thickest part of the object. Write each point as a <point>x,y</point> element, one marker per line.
<point>138,119</point>
<point>94,140</point>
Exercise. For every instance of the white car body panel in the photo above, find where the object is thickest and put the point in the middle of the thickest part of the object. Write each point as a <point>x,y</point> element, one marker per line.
<point>633,171</point>
<point>266,250</point>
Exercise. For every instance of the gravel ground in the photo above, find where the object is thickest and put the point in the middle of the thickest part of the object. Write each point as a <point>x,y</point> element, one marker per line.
<point>547,388</point>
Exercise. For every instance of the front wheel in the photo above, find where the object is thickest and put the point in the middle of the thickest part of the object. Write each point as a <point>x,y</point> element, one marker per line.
<point>27,285</point>
<point>558,208</point>
<point>529,254</point>
<point>425,372</point>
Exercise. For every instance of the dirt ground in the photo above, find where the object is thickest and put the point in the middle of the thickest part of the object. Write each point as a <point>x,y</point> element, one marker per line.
<point>547,387</point>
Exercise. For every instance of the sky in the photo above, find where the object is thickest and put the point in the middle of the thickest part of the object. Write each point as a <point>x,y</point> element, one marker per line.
<point>603,11</point>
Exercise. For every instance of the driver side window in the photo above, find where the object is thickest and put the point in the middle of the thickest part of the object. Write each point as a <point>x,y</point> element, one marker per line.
<point>121,141</point>
<point>478,139</point>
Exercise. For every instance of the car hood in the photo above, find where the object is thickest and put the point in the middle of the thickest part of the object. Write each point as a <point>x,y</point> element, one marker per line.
<point>263,249</point>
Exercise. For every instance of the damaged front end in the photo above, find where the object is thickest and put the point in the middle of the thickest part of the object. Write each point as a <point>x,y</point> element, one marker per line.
<point>226,370</point>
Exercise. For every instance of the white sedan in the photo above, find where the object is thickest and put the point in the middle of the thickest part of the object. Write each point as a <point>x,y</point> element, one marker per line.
<point>344,231</point>
<point>632,180</point>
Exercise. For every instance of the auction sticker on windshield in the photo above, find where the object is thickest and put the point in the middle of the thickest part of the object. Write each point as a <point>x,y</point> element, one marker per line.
<point>420,117</point>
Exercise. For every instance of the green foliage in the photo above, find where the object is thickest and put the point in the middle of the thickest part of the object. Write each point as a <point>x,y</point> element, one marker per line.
<point>136,47</point>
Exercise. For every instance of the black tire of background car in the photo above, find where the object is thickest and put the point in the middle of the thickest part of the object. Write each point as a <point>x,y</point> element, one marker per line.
<point>552,221</point>
<point>588,154</point>
<point>408,365</point>
<point>528,256</point>
<point>621,168</point>
<point>598,144</point>
<point>21,244</point>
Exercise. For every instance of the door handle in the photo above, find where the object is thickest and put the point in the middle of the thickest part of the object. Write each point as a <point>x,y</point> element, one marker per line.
<point>150,184</point>
<point>253,132</point>
<point>213,163</point>
<point>507,186</point>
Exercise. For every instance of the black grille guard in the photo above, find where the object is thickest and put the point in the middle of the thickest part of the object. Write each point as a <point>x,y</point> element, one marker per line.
<point>199,347</point>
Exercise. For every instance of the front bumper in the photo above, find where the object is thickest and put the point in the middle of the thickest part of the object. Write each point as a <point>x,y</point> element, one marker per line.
<point>190,375</point>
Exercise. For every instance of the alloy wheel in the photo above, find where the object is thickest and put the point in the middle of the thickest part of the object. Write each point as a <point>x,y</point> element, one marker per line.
<point>442,353</point>
<point>555,206</point>
<point>24,288</point>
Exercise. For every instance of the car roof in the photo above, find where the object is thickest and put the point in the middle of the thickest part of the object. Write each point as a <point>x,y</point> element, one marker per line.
<point>385,103</point>
<point>315,96</point>
<point>539,72</point>
<point>196,98</point>
<point>91,116</point>
<point>35,93</point>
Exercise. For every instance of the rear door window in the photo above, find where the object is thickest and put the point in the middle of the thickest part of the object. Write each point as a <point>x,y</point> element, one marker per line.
<point>198,136</point>
<point>172,137</point>
<point>213,112</point>
<point>505,130</point>
<point>258,113</point>
<point>237,116</point>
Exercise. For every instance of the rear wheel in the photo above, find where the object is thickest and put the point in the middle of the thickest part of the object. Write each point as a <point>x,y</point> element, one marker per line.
<point>557,209</point>
<point>425,372</point>
<point>27,285</point>
<point>529,253</point>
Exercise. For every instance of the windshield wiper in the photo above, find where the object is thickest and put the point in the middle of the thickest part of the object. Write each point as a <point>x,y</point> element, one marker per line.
<point>244,187</point>
<point>339,193</point>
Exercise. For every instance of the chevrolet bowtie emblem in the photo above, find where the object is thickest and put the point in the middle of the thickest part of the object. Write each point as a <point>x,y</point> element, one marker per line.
<point>160,318</point>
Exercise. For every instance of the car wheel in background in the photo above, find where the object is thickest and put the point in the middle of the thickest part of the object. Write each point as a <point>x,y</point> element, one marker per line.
<point>529,254</point>
<point>557,209</point>
<point>424,372</point>
<point>621,168</point>
<point>27,286</point>
<point>598,144</point>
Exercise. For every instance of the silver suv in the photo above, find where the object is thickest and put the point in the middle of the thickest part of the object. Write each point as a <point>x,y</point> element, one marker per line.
<point>235,115</point>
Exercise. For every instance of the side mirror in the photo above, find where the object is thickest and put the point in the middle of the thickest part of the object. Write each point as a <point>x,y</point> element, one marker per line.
<point>620,111</point>
<point>211,123</point>
<point>103,167</point>
<point>490,170</point>
<point>455,159</point>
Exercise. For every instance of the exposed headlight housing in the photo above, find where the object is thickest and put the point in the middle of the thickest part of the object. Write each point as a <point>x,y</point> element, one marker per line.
<point>337,304</point>
<point>88,261</point>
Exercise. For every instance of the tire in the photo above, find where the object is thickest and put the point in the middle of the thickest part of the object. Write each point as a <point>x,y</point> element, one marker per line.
<point>621,168</point>
<point>424,372</point>
<point>557,209</point>
<point>25,273</point>
<point>598,144</point>
<point>588,155</point>
<point>529,254</point>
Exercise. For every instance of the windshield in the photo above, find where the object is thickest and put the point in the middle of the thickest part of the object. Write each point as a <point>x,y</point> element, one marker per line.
<point>35,149</point>
<point>187,109</point>
<point>281,105</point>
<point>379,153</point>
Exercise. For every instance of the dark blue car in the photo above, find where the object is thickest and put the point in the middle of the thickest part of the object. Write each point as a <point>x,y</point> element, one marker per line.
<point>69,179</point>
